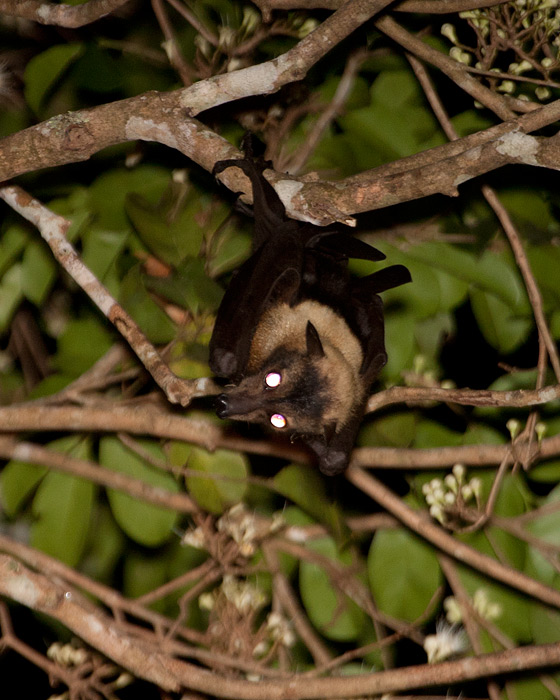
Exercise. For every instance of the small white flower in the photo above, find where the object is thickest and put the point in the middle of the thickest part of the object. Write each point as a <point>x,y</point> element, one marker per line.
<point>447,642</point>
<point>543,93</point>
<point>206,601</point>
<point>194,538</point>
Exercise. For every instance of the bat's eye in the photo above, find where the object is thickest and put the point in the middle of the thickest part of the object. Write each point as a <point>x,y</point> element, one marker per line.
<point>273,379</point>
<point>278,420</point>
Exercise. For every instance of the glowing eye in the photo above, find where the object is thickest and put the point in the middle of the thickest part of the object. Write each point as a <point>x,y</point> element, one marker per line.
<point>273,379</point>
<point>278,420</point>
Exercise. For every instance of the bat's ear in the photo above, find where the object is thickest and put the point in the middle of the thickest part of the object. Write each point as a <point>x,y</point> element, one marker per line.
<point>314,345</point>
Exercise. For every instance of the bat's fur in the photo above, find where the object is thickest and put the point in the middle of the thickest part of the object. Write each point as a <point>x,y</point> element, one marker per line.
<point>301,340</point>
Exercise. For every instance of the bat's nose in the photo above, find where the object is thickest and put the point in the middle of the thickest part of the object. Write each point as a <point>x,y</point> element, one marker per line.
<point>222,406</point>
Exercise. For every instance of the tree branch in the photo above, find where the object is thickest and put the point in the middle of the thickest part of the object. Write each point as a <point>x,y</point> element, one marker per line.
<point>61,15</point>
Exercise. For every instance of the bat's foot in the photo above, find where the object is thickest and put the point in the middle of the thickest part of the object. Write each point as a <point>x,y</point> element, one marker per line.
<point>223,363</point>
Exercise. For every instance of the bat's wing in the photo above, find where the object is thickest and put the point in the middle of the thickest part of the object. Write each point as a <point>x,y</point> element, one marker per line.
<point>272,274</point>
<point>368,309</point>
<point>338,243</point>
<point>333,450</point>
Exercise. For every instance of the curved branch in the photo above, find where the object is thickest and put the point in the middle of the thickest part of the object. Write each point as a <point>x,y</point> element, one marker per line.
<point>60,15</point>
<point>147,661</point>
<point>466,397</point>
<point>420,523</point>
<point>28,452</point>
<point>53,229</point>
<point>432,7</point>
<point>141,420</point>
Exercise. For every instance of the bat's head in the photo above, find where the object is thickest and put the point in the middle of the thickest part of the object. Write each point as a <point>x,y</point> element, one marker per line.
<point>310,391</point>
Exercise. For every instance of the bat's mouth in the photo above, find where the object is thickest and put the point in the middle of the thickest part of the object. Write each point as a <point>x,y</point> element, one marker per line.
<point>221,406</point>
<point>237,405</point>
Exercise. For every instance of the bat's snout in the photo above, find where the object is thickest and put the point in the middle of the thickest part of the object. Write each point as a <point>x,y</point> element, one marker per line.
<point>239,405</point>
<point>222,408</point>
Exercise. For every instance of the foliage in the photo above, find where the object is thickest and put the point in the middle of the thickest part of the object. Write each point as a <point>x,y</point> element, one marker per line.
<point>160,235</point>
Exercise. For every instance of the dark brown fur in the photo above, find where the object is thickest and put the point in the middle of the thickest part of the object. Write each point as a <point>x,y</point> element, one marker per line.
<point>299,338</point>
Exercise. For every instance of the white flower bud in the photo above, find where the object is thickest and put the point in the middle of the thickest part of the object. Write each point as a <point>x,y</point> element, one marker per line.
<point>452,610</point>
<point>448,31</point>
<point>543,93</point>
<point>507,86</point>
<point>437,513</point>
<point>513,425</point>
<point>540,430</point>
<point>451,482</point>
<point>460,56</point>
<point>459,472</point>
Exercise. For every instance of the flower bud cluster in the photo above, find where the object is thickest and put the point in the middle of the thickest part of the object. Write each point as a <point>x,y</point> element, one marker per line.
<point>278,631</point>
<point>243,595</point>
<point>245,529</point>
<point>67,654</point>
<point>529,28</point>
<point>481,603</point>
<point>441,495</point>
<point>514,426</point>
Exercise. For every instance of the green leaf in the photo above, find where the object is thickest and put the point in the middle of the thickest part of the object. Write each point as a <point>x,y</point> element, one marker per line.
<point>331,612</point>
<point>11,294</point>
<point>101,249</point>
<point>38,272</point>
<point>229,253</point>
<point>499,544</point>
<point>18,480</point>
<point>189,360</point>
<point>152,228</point>
<point>109,192</point>
<point>498,323</point>
<point>396,89</point>
<point>189,286</point>
<point>430,333</point>
<point>12,243</point>
<point>153,321</point>
<point>98,70</point>
<point>221,478</point>
<point>545,263</point>
<point>546,528</point>
<point>143,573</point>
<point>62,509</point>
<point>546,472</point>
<point>175,226</point>
<point>145,523</point>
<point>481,434</point>
<point>105,546</point>
<point>404,573</point>
<point>399,337</point>
<point>304,487</point>
<point>532,688</point>
<point>81,344</point>
<point>432,434</point>
<point>397,430</point>
<point>45,70</point>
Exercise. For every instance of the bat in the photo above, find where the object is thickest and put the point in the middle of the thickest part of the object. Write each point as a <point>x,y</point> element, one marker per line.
<point>299,339</point>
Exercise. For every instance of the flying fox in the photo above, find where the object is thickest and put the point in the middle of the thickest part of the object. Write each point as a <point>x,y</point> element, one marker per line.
<point>298,338</point>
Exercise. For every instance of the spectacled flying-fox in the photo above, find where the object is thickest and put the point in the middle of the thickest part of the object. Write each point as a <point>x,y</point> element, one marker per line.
<point>300,339</point>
